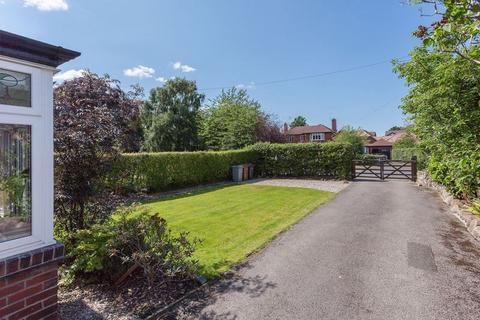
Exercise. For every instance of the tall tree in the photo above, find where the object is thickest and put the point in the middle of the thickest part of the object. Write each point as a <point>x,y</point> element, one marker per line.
<point>443,103</point>
<point>268,129</point>
<point>234,120</point>
<point>169,117</point>
<point>299,121</point>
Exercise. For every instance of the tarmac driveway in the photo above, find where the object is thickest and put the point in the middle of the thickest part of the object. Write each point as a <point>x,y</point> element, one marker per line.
<point>379,250</point>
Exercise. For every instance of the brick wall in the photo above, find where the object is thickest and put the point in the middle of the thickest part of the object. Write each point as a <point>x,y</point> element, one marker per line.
<point>28,284</point>
<point>296,138</point>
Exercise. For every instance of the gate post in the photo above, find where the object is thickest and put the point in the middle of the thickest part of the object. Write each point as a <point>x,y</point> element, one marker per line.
<point>382,168</point>
<point>414,168</point>
<point>353,169</point>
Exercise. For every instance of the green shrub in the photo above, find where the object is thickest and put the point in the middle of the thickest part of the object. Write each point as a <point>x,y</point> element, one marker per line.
<point>329,160</point>
<point>131,237</point>
<point>350,135</point>
<point>408,141</point>
<point>460,174</point>
<point>407,154</point>
<point>168,170</point>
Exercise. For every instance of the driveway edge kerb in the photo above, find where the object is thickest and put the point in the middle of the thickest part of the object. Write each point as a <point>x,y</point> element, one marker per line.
<point>457,207</point>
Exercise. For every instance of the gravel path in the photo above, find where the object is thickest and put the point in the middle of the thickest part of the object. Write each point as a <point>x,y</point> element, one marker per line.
<point>325,185</point>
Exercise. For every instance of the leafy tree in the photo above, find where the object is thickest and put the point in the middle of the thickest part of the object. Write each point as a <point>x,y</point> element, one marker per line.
<point>299,121</point>
<point>406,142</point>
<point>93,119</point>
<point>457,29</point>
<point>231,121</point>
<point>443,103</point>
<point>268,129</point>
<point>169,117</point>
<point>350,135</point>
<point>396,128</point>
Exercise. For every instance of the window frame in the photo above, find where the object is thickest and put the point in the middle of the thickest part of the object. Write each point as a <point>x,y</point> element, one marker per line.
<point>40,118</point>
<point>30,93</point>
<point>312,136</point>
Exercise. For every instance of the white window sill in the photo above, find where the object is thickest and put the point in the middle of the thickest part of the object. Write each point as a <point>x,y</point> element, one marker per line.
<point>19,246</point>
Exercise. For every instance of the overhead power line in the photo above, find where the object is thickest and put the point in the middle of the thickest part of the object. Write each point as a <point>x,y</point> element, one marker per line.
<point>318,75</point>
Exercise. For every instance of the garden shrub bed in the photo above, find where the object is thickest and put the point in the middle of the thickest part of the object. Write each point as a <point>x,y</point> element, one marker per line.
<point>326,160</point>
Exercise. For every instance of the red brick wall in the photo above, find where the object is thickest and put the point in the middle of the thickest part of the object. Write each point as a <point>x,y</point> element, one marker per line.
<point>28,284</point>
<point>306,137</point>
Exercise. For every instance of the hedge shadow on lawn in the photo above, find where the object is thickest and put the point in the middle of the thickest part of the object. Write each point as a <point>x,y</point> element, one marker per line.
<point>186,193</point>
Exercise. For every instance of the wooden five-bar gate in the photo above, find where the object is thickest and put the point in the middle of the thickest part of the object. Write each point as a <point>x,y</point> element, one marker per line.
<point>385,169</point>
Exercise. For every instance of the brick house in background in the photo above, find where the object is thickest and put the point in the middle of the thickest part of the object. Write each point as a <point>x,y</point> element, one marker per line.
<point>383,145</point>
<point>304,134</point>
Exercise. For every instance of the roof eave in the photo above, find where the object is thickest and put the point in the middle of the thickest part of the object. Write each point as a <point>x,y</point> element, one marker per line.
<point>19,47</point>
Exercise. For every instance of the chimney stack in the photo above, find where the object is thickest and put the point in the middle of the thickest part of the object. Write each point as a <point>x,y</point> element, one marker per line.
<point>285,127</point>
<point>334,125</point>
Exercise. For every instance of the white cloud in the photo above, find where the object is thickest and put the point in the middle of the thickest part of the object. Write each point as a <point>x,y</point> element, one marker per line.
<point>139,72</point>
<point>161,79</point>
<point>183,67</point>
<point>47,5</point>
<point>250,85</point>
<point>68,75</point>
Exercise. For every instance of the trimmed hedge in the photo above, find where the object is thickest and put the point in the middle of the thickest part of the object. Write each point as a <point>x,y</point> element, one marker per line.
<point>328,160</point>
<point>153,172</point>
<point>408,153</point>
<point>169,170</point>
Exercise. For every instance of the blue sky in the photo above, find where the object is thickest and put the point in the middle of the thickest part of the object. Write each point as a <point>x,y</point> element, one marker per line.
<point>221,43</point>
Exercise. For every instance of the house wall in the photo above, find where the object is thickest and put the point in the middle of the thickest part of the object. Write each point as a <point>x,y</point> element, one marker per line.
<point>380,150</point>
<point>28,284</point>
<point>306,138</point>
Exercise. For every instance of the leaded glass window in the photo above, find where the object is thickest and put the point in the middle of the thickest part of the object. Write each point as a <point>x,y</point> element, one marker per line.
<point>15,88</point>
<point>15,182</point>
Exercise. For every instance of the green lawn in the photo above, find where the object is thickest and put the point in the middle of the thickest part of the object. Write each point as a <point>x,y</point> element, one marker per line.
<point>237,220</point>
